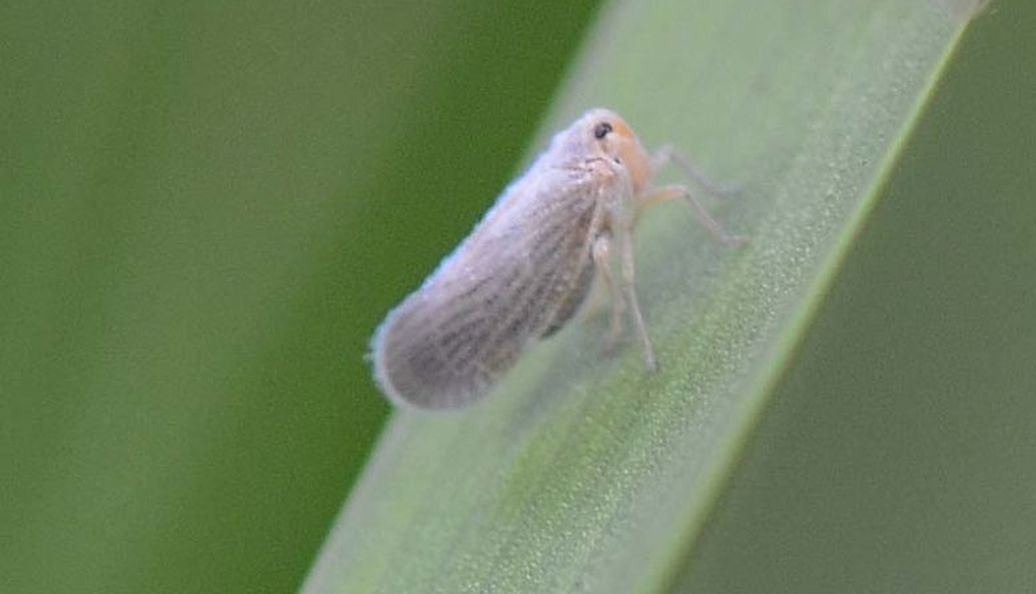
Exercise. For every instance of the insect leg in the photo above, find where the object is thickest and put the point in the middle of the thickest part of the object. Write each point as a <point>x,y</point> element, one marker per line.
<point>630,293</point>
<point>601,254</point>
<point>668,154</point>
<point>667,193</point>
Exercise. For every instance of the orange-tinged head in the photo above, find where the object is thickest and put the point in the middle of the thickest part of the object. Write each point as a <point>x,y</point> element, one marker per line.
<point>617,141</point>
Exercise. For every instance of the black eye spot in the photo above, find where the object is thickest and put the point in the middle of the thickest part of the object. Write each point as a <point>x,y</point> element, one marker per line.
<point>601,130</point>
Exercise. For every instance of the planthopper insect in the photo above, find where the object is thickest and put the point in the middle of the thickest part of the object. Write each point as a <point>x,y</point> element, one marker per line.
<point>527,266</point>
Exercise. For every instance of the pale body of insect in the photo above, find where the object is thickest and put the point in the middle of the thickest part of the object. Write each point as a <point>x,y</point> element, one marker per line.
<point>527,266</point>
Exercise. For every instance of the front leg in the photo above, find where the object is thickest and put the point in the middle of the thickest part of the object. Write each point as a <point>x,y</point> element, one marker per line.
<point>629,291</point>
<point>601,254</point>
<point>668,154</point>
<point>673,192</point>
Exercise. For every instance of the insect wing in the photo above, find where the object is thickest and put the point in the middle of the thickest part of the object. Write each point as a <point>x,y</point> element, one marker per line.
<point>519,276</point>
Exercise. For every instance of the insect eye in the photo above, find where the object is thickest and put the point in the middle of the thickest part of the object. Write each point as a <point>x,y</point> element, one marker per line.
<point>601,130</point>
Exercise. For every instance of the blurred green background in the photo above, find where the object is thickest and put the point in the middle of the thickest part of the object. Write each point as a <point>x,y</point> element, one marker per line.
<point>899,451</point>
<point>205,209</point>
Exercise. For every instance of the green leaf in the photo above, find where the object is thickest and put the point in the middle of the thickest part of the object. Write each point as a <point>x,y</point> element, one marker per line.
<point>582,472</point>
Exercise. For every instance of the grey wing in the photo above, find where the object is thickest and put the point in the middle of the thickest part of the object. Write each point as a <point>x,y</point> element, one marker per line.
<point>520,276</point>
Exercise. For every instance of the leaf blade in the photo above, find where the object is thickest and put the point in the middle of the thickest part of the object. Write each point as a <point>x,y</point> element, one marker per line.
<point>583,473</point>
